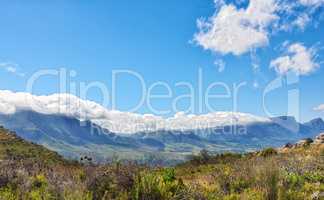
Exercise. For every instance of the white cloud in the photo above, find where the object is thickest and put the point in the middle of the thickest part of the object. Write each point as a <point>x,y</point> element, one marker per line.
<point>319,108</point>
<point>116,121</point>
<point>12,68</point>
<point>236,31</point>
<point>297,58</point>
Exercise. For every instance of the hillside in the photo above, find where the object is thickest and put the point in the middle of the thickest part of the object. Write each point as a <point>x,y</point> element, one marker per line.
<point>291,172</point>
<point>13,147</point>
<point>29,171</point>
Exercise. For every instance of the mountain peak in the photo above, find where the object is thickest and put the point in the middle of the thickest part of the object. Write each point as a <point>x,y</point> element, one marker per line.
<point>317,122</point>
<point>288,122</point>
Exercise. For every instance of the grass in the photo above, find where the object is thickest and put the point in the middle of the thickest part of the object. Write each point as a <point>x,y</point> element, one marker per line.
<point>32,172</point>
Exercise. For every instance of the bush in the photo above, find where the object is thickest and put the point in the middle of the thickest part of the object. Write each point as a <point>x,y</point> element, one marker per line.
<point>271,180</point>
<point>308,141</point>
<point>147,187</point>
<point>7,193</point>
<point>40,189</point>
<point>252,194</point>
<point>168,175</point>
<point>101,186</point>
<point>239,185</point>
<point>152,186</point>
<point>293,180</point>
<point>268,152</point>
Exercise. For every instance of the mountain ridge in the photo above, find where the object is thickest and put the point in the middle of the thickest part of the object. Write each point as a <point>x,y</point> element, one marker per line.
<point>74,138</point>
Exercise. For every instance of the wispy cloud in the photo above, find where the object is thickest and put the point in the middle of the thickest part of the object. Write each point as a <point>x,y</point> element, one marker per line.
<point>11,68</point>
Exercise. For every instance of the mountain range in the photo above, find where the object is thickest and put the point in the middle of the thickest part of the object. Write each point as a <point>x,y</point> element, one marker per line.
<point>166,140</point>
<point>73,138</point>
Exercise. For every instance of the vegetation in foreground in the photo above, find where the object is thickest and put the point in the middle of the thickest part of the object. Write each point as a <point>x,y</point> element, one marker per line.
<point>31,172</point>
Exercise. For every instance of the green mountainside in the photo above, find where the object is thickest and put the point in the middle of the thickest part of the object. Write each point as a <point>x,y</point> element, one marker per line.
<point>31,172</point>
<point>13,147</point>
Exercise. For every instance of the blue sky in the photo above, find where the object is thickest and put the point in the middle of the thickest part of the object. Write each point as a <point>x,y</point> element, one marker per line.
<point>163,41</point>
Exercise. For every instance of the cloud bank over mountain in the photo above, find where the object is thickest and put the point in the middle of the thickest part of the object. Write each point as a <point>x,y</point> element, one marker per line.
<point>116,121</point>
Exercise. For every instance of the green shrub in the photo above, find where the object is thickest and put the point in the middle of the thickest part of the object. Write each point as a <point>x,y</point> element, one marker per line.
<point>232,197</point>
<point>7,193</point>
<point>82,176</point>
<point>293,180</point>
<point>148,187</point>
<point>239,185</point>
<point>168,175</point>
<point>40,189</point>
<point>268,152</point>
<point>314,177</point>
<point>268,180</point>
<point>74,194</point>
<point>252,194</point>
<point>152,186</point>
<point>101,186</point>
